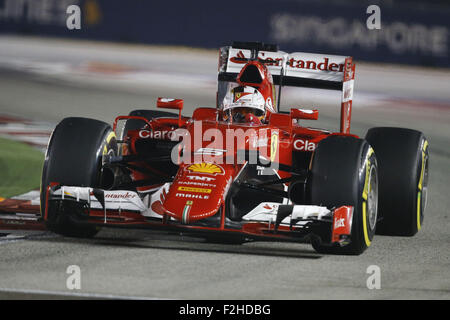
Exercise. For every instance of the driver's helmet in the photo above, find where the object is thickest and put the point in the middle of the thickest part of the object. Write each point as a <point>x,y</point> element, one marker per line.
<point>242,100</point>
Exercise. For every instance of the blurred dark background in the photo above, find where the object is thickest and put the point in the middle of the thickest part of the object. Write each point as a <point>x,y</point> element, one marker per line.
<point>412,32</point>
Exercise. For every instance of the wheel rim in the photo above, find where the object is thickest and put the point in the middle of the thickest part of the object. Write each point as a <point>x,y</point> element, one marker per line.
<point>372,198</point>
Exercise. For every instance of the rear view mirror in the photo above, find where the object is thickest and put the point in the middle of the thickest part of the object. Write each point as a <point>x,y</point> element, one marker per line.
<point>304,114</point>
<point>169,103</point>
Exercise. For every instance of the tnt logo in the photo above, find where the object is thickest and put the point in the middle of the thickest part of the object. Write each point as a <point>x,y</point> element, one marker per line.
<point>201,178</point>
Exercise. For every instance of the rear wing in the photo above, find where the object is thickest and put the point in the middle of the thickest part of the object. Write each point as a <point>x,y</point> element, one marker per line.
<point>297,69</point>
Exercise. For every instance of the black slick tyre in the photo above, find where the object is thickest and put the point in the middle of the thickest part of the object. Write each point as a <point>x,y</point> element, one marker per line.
<point>403,168</point>
<point>344,172</point>
<point>74,158</point>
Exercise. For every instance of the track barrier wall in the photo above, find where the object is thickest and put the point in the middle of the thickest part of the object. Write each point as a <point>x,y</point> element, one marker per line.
<point>411,32</point>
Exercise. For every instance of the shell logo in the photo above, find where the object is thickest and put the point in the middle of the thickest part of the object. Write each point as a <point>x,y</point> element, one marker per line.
<point>203,167</point>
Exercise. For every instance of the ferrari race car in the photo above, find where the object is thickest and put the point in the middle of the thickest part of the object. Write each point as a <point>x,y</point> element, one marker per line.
<point>226,179</point>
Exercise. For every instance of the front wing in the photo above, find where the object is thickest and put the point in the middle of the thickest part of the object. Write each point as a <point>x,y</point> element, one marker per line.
<point>267,221</point>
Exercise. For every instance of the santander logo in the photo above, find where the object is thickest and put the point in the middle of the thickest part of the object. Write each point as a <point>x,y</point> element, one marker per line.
<point>322,65</point>
<point>239,58</point>
<point>125,195</point>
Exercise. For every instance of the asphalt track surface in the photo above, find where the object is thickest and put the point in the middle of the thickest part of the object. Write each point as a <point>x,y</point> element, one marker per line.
<point>49,80</point>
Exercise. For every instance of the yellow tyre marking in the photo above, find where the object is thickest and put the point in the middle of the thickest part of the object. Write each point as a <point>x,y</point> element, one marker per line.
<point>419,196</point>
<point>425,145</point>
<point>366,233</point>
<point>365,195</point>
<point>366,181</point>
<point>420,186</point>
<point>111,135</point>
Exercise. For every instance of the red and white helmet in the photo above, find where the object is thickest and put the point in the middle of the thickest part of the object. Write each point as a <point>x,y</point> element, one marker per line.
<point>242,100</point>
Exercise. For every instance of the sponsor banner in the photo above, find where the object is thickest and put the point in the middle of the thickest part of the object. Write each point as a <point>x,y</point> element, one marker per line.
<point>342,223</point>
<point>194,189</point>
<point>158,134</point>
<point>411,32</point>
<point>113,200</point>
<point>304,145</point>
<point>299,64</point>
<point>267,212</point>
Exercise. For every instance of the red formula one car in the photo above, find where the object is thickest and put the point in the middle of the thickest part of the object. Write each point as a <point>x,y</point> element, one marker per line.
<point>242,170</point>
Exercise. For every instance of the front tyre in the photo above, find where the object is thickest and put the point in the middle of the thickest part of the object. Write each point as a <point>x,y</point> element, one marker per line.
<point>74,158</point>
<point>344,172</point>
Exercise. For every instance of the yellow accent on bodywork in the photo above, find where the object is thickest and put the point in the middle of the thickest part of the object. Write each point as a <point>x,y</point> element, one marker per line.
<point>273,146</point>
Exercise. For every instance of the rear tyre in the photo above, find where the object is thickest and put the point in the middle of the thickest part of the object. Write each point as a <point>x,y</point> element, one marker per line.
<point>74,158</point>
<point>149,146</point>
<point>344,172</point>
<point>403,167</point>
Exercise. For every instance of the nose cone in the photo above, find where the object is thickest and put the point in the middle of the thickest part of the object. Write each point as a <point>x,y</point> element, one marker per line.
<point>198,191</point>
